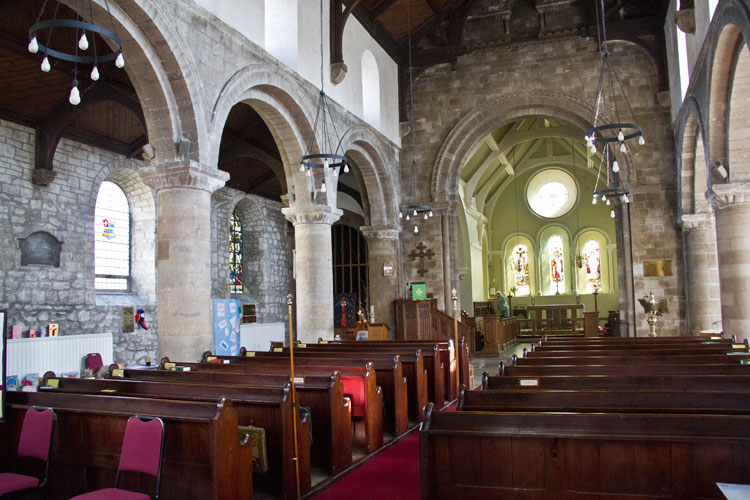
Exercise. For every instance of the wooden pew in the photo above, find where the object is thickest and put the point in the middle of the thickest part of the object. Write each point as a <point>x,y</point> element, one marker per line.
<point>538,456</point>
<point>626,340</point>
<point>268,407</point>
<point>412,366</point>
<point>557,346</point>
<point>624,370</point>
<point>584,382</point>
<point>322,392</point>
<point>658,351</point>
<point>630,360</point>
<point>384,377</point>
<point>445,347</point>
<point>430,355</point>
<point>607,401</point>
<point>203,458</point>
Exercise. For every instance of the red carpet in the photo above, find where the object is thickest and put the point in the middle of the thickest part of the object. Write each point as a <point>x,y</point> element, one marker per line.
<point>392,475</point>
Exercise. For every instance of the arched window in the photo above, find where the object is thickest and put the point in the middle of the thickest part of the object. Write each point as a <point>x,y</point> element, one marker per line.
<point>592,266</point>
<point>521,272</point>
<point>370,89</point>
<point>235,255</point>
<point>682,58</point>
<point>556,262</point>
<point>111,239</point>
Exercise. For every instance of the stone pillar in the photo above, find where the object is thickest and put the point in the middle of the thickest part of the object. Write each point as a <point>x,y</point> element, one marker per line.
<point>732,204</point>
<point>312,241</point>
<point>383,245</point>
<point>447,268</point>
<point>183,255</point>
<point>702,272</point>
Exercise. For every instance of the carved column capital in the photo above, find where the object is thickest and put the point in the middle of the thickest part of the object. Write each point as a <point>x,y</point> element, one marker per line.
<point>42,176</point>
<point>697,221</point>
<point>186,174</point>
<point>312,214</point>
<point>726,195</point>
<point>380,233</point>
<point>685,20</point>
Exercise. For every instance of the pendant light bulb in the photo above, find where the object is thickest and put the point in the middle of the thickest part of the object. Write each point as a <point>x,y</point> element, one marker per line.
<point>95,73</point>
<point>301,167</point>
<point>83,43</point>
<point>615,166</point>
<point>120,61</point>
<point>641,141</point>
<point>323,187</point>
<point>45,65</point>
<point>593,200</point>
<point>425,216</point>
<point>626,199</point>
<point>620,136</point>
<point>608,203</point>
<point>415,213</point>
<point>604,197</point>
<point>75,95</point>
<point>346,168</point>
<point>401,215</point>
<point>612,213</point>
<point>408,217</point>
<point>430,213</point>
<point>416,229</point>
<point>33,45</point>
<point>623,149</point>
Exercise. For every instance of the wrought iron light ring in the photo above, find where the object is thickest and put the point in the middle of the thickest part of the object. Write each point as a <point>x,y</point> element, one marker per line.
<point>309,160</point>
<point>633,130</point>
<point>81,25</point>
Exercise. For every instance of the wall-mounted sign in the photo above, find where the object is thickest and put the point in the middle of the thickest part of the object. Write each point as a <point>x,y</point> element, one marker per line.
<point>653,268</point>
<point>388,268</point>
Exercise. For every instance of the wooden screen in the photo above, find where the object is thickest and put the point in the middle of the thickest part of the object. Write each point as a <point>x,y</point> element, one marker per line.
<point>349,262</point>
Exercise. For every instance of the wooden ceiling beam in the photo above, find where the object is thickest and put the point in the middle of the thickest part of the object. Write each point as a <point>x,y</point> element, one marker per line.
<point>377,31</point>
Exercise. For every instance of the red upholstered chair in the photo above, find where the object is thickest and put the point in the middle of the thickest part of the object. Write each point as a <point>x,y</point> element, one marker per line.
<point>94,362</point>
<point>35,442</point>
<point>142,450</point>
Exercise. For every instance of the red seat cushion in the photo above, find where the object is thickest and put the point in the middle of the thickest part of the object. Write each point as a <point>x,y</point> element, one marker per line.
<point>112,494</point>
<point>355,387</point>
<point>16,482</point>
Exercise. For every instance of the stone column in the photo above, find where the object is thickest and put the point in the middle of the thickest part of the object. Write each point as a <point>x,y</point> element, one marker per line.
<point>314,264</point>
<point>383,245</point>
<point>732,204</point>
<point>702,272</point>
<point>183,255</point>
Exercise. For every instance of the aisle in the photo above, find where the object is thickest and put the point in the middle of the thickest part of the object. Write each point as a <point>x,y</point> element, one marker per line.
<point>393,474</point>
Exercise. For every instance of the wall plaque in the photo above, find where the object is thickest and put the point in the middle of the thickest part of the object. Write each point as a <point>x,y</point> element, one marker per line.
<point>40,248</point>
<point>653,268</point>
<point>128,323</point>
<point>387,268</point>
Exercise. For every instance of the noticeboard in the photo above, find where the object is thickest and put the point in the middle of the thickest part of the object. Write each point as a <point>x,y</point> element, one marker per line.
<point>3,328</point>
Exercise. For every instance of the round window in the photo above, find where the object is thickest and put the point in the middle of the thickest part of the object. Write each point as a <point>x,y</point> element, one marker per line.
<point>551,193</point>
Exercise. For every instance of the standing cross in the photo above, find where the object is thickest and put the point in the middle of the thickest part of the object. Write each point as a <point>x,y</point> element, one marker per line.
<point>421,255</point>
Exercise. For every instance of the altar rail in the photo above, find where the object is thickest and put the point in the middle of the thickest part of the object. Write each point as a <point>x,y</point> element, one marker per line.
<point>58,354</point>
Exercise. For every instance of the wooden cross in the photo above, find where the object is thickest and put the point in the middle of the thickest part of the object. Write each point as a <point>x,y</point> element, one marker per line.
<point>421,254</point>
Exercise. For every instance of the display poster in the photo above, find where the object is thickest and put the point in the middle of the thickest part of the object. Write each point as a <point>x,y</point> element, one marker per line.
<point>227,317</point>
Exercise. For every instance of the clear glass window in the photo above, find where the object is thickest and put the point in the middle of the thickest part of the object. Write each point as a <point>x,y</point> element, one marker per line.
<point>112,239</point>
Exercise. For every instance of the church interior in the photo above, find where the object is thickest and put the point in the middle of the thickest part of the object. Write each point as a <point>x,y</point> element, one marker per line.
<point>409,248</point>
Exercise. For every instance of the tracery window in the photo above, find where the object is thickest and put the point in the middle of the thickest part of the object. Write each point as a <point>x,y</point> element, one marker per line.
<point>592,265</point>
<point>111,239</point>
<point>521,273</point>
<point>235,255</point>
<point>556,262</point>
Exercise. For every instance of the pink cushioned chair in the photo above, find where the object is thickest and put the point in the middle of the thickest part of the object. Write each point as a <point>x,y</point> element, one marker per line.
<point>35,442</point>
<point>94,362</point>
<point>142,450</point>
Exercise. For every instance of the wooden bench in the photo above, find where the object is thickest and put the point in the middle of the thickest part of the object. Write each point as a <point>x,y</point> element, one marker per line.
<point>583,382</point>
<point>267,407</point>
<point>607,401</point>
<point>633,345</point>
<point>632,360</point>
<point>654,351</point>
<point>627,369</point>
<point>469,455</point>
<point>330,423</point>
<point>203,457</point>
<point>384,377</point>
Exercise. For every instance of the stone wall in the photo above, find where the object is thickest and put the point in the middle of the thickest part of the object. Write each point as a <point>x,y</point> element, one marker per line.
<point>35,295</point>
<point>560,70</point>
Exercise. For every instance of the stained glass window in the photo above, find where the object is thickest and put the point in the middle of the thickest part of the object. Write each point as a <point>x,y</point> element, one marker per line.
<point>556,262</point>
<point>235,255</point>
<point>592,265</point>
<point>521,270</point>
<point>111,239</point>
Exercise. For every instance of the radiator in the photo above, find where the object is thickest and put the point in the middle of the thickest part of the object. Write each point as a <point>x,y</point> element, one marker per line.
<point>59,354</point>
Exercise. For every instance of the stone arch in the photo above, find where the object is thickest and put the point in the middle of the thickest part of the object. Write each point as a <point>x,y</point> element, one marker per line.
<point>364,148</point>
<point>163,74</point>
<point>285,107</point>
<point>690,168</point>
<point>142,206</point>
<point>475,125</point>
<point>731,29</point>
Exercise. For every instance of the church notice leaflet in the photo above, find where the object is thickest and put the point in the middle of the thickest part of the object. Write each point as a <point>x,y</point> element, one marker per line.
<point>227,317</point>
